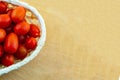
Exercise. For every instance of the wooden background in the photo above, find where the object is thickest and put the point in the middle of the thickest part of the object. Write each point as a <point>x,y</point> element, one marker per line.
<point>83,42</point>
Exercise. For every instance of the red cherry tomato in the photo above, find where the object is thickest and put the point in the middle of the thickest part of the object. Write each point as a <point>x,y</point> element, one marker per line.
<point>22,38</point>
<point>31,43</point>
<point>18,14</point>
<point>34,31</point>
<point>9,29</point>
<point>9,12</point>
<point>2,35</point>
<point>3,7</point>
<point>7,60</point>
<point>21,52</point>
<point>11,43</point>
<point>1,50</point>
<point>5,20</point>
<point>22,28</point>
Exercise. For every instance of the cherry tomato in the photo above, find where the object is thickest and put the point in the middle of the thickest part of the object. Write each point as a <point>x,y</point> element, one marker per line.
<point>9,29</point>
<point>1,50</point>
<point>11,43</point>
<point>21,52</point>
<point>22,28</point>
<point>9,12</point>
<point>34,31</point>
<point>2,35</point>
<point>22,38</point>
<point>18,14</point>
<point>7,60</point>
<point>5,20</point>
<point>3,7</point>
<point>31,43</point>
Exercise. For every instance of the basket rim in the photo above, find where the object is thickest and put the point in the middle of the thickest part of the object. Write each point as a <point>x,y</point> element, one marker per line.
<point>41,40</point>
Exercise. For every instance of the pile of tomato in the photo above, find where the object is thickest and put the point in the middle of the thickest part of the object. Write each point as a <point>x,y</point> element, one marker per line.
<point>17,36</point>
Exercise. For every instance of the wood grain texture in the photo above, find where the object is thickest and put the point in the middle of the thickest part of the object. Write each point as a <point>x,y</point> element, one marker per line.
<point>83,42</point>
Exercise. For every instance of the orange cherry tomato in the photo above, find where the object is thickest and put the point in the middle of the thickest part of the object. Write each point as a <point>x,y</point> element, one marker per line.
<point>7,60</point>
<point>3,7</point>
<point>11,43</point>
<point>2,35</point>
<point>5,20</point>
<point>31,43</point>
<point>34,31</point>
<point>18,14</point>
<point>21,52</point>
<point>22,28</point>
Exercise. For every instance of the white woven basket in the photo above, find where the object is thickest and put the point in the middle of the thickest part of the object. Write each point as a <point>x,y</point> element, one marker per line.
<point>41,40</point>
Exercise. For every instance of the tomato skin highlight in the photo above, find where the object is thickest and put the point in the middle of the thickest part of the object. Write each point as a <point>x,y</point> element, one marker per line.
<point>22,28</point>
<point>7,60</point>
<point>5,20</point>
<point>18,14</point>
<point>11,43</point>
<point>2,35</point>
<point>34,31</point>
<point>31,43</point>
<point>21,52</point>
<point>3,7</point>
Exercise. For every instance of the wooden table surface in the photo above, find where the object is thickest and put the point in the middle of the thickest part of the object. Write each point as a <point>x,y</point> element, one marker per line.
<point>83,42</point>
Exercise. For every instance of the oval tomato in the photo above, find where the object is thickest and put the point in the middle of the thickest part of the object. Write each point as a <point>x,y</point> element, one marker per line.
<point>3,7</point>
<point>2,35</point>
<point>7,60</point>
<point>34,31</point>
<point>18,14</point>
<point>31,43</point>
<point>22,28</point>
<point>5,20</point>
<point>21,52</point>
<point>11,43</point>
